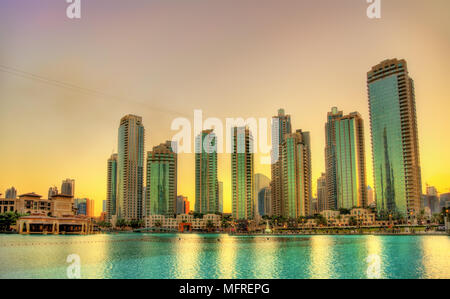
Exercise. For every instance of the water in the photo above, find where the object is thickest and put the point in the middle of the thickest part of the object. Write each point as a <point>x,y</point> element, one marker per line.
<point>223,256</point>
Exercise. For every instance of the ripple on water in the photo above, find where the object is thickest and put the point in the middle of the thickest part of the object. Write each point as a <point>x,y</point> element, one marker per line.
<point>223,256</point>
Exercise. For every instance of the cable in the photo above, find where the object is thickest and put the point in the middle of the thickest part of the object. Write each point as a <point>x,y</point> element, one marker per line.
<point>88,91</point>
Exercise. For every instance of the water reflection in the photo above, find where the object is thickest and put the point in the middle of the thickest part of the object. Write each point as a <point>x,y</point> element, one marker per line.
<point>223,256</point>
<point>436,259</point>
<point>374,258</point>
<point>265,253</point>
<point>321,257</point>
<point>227,257</point>
<point>186,251</point>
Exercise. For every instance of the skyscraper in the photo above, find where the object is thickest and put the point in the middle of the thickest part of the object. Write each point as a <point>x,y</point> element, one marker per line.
<point>68,187</point>
<point>52,191</point>
<point>265,202</point>
<point>296,174</point>
<point>161,191</point>
<point>220,197</point>
<point>395,147</point>
<point>330,158</point>
<point>11,193</point>
<point>350,161</point>
<point>281,126</point>
<point>444,200</point>
<point>90,207</point>
<point>84,206</point>
<point>111,192</point>
<point>322,193</point>
<point>206,182</point>
<point>130,168</point>
<point>182,205</point>
<point>80,204</point>
<point>261,182</point>
<point>431,190</point>
<point>370,196</point>
<point>242,174</point>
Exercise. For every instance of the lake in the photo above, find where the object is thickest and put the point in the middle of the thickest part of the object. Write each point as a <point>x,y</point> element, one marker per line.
<point>208,256</point>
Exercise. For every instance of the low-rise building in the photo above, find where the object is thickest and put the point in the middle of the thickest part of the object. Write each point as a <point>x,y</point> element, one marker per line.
<point>363,217</point>
<point>32,203</point>
<point>169,223</point>
<point>46,216</point>
<point>39,223</point>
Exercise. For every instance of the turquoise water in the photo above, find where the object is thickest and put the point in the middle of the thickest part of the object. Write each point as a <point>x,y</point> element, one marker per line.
<point>223,256</point>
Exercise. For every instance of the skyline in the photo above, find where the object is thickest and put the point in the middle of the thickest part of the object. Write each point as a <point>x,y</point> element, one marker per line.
<point>71,134</point>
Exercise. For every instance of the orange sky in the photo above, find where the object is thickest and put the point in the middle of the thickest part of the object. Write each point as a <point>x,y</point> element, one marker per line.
<point>162,59</point>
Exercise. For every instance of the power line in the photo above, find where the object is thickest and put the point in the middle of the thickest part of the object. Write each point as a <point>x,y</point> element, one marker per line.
<point>42,79</point>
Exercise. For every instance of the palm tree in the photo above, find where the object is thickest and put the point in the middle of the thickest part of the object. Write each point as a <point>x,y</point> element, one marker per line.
<point>225,223</point>
<point>7,219</point>
<point>321,220</point>
<point>122,223</point>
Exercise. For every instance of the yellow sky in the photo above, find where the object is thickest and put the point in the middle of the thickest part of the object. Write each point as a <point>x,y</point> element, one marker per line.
<point>162,59</point>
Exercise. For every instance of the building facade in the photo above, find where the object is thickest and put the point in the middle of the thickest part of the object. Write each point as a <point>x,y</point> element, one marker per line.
<point>11,193</point>
<point>32,203</point>
<point>261,182</point>
<point>206,182</point>
<point>296,174</point>
<point>265,202</point>
<point>444,200</point>
<point>80,204</point>
<point>130,168</point>
<point>68,187</point>
<point>183,205</point>
<point>370,196</point>
<point>159,222</point>
<point>220,197</point>
<point>242,174</point>
<point>111,188</point>
<point>350,161</point>
<point>322,193</point>
<point>161,189</point>
<point>281,126</point>
<point>52,191</point>
<point>330,158</point>
<point>395,148</point>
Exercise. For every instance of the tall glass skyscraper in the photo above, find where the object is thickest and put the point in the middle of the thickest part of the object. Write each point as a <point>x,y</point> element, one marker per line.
<point>330,158</point>
<point>161,191</point>
<point>265,202</point>
<point>296,174</point>
<point>220,197</point>
<point>350,161</point>
<point>206,182</point>
<point>130,168</point>
<point>261,182</point>
<point>281,126</point>
<point>242,174</point>
<point>322,193</point>
<point>395,148</point>
<point>111,191</point>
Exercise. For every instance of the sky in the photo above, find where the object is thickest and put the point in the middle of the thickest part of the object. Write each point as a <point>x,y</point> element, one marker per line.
<point>65,83</point>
